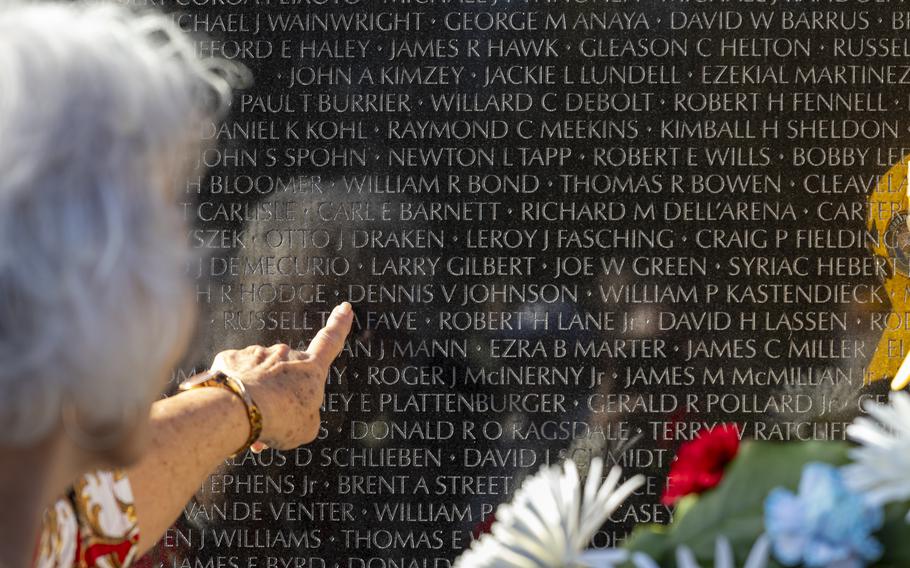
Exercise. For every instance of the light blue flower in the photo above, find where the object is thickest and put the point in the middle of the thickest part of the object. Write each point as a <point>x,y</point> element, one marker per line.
<point>825,524</point>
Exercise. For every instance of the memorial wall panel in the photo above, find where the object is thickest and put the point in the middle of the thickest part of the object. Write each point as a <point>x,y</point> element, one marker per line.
<point>567,228</point>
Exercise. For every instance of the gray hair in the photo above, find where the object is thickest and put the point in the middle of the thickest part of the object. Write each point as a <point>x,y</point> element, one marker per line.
<point>100,108</point>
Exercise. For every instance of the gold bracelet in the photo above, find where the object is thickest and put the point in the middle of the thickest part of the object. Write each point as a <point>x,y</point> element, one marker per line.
<point>213,378</point>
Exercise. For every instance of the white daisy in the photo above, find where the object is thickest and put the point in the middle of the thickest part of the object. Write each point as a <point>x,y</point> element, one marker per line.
<point>723,556</point>
<point>881,461</point>
<point>550,521</point>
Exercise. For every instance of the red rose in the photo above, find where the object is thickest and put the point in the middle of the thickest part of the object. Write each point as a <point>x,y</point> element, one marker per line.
<point>700,463</point>
<point>484,526</point>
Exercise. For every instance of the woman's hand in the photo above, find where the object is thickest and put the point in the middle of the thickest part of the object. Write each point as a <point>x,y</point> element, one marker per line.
<point>192,433</point>
<point>286,384</point>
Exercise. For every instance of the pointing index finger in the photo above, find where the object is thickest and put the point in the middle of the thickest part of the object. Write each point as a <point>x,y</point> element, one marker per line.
<point>329,342</point>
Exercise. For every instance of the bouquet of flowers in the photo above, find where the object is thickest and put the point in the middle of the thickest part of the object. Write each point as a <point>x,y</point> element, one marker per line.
<point>819,504</point>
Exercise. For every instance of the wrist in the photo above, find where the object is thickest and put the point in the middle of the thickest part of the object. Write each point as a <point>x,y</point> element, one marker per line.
<point>229,428</point>
<point>221,380</point>
<point>267,401</point>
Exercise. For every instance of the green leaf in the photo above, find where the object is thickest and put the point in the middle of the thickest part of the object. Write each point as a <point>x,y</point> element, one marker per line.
<point>683,506</point>
<point>651,539</point>
<point>893,537</point>
<point>735,508</point>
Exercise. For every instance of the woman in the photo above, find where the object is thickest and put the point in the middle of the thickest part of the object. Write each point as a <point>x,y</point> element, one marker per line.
<point>99,114</point>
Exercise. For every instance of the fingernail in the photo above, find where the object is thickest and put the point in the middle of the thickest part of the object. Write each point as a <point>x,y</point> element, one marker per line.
<point>344,308</point>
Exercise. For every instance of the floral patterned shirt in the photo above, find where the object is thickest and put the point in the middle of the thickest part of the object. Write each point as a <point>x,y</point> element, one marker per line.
<point>94,525</point>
